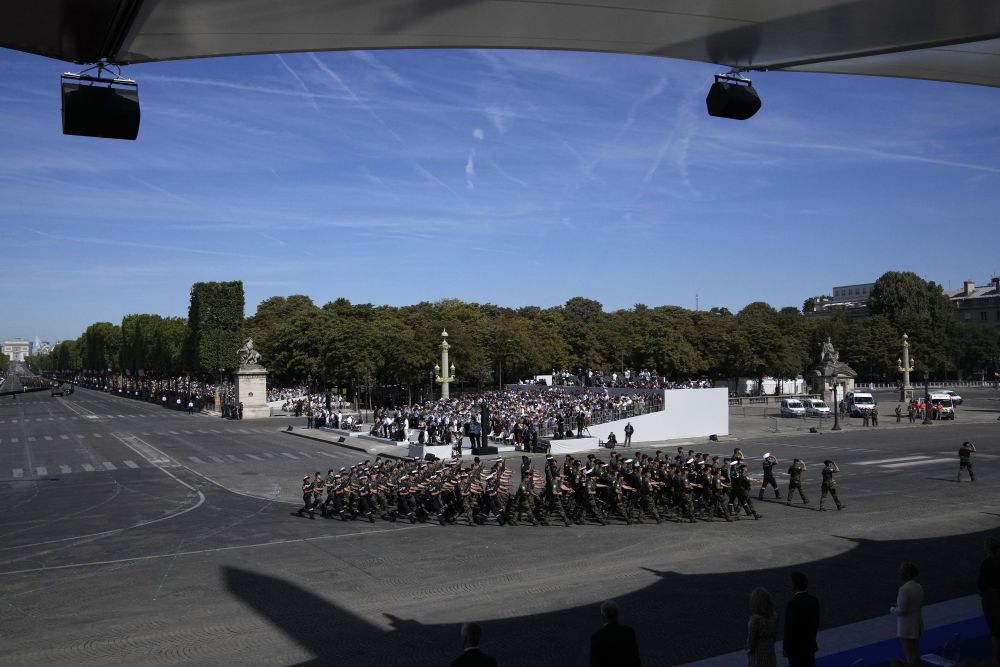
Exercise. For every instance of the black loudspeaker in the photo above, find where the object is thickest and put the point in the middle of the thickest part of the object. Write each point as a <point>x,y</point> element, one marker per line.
<point>100,110</point>
<point>727,99</point>
<point>481,451</point>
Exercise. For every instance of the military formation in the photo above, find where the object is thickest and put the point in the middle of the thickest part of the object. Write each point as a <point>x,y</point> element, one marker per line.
<point>688,487</point>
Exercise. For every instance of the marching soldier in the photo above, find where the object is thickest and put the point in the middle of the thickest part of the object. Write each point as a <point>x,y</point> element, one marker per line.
<point>965,460</point>
<point>829,485</point>
<point>554,494</point>
<point>795,480</point>
<point>590,499</point>
<point>307,498</point>
<point>319,486</point>
<point>741,483</point>
<point>769,479</point>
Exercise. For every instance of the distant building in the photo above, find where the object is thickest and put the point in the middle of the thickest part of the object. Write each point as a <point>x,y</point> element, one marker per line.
<point>977,305</point>
<point>850,299</point>
<point>17,349</point>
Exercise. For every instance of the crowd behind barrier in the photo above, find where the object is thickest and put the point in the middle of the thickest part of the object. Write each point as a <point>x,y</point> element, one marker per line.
<point>643,379</point>
<point>517,415</point>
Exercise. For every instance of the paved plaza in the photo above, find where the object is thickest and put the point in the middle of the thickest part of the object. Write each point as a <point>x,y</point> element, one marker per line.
<point>135,535</point>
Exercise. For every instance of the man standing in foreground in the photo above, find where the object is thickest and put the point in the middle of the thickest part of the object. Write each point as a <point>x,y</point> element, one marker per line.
<point>801,624</point>
<point>472,657</point>
<point>614,645</point>
<point>965,460</point>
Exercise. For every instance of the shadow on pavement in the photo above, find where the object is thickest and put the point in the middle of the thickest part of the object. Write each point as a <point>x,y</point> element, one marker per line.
<point>678,618</point>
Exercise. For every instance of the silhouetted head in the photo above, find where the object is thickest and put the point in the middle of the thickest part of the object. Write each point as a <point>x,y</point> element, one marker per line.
<point>609,611</point>
<point>471,632</point>
<point>800,581</point>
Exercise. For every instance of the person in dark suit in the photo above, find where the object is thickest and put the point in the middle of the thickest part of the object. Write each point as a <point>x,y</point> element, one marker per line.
<point>614,645</point>
<point>472,657</point>
<point>801,624</point>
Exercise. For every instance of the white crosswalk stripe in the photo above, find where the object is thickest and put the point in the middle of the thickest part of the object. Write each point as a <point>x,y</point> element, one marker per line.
<point>31,438</point>
<point>291,456</point>
<point>232,458</point>
<point>884,461</point>
<point>217,459</point>
<point>269,455</point>
<point>327,454</point>
<point>108,465</point>
<point>87,467</point>
<point>14,440</point>
<point>41,471</point>
<point>80,436</point>
<point>195,459</point>
<point>131,464</point>
<point>915,463</point>
<point>97,435</point>
<point>254,457</point>
<point>18,472</point>
<point>64,469</point>
<point>64,437</point>
<point>48,438</point>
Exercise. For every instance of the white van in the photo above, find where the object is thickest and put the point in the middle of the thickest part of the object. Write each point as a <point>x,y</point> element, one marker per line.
<point>859,402</point>
<point>792,407</point>
<point>816,407</point>
<point>945,405</point>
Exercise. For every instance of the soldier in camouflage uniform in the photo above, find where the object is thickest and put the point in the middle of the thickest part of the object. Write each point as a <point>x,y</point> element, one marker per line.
<point>829,485</point>
<point>795,481</point>
<point>307,498</point>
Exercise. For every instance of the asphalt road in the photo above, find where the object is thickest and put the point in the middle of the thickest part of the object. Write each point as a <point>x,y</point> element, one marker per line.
<point>130,534</point>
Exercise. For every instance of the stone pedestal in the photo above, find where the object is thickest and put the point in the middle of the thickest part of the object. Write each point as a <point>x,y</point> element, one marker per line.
<point>251,391</point>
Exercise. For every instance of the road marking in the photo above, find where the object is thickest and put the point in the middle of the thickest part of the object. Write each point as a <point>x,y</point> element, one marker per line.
<point>80,436</point>
<point>145,450</point>
<point>254,457</point>
<point>915,463</point>
<point>187,432</point>
<point>289,456</point>
<point>121,416</point>
<point>327,454</point>
<point>131,464</point>
<point>108,465</point>
<point>13,421</point>
<point>881,461</point>
<point>195,459</point>
<point>38,419</point>
<point>14,440</point>
<point>202,431</point>
<point>231,457</point>
<point>212,430</point>
<point>41,471</point>
<point>48,438</point>
<point>18,472</point>
<point>51,419</point>
<point>65,470</point>
<point>304,454</point>
<point>173,432</point>
<point>217,459</point>
<point>144,433</point>
<point>97,435</point>
<point>269,455</point>
<point>64,437</point>
<point>31,438</point>
<point>87,467</point>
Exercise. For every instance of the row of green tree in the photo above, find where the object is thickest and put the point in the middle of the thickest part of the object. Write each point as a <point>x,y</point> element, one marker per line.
<point>340,342</point>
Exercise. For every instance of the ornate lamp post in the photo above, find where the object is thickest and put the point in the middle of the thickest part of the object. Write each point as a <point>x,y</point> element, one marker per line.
<point>906,367</point>
<point>449,377</point>
<point>927,394</point>
<point>835,406</point>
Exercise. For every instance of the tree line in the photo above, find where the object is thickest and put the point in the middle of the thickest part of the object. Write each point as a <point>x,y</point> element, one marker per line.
<point>340,344</point>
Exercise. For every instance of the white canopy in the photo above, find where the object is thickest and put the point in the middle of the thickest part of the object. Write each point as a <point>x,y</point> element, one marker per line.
<point>947,40</point>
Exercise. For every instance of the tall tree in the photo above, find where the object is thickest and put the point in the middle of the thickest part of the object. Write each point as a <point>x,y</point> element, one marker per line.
<point>215,321</point>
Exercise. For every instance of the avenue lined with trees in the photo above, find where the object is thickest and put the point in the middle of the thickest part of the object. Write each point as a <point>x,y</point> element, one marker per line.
<point>340,344</point>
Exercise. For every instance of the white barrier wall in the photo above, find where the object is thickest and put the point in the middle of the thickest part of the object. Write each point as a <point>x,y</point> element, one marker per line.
<point>688,413</point>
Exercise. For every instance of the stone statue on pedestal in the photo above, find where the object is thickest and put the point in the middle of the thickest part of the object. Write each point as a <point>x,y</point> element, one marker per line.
<point>247,355</point>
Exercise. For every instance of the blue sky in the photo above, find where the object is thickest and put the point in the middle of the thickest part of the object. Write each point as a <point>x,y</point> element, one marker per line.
<point>510,177</point>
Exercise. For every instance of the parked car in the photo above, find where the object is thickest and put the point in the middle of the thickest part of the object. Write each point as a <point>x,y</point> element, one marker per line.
<point>955,398</point>
<point>792,407</point>
<point>816,407</point>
